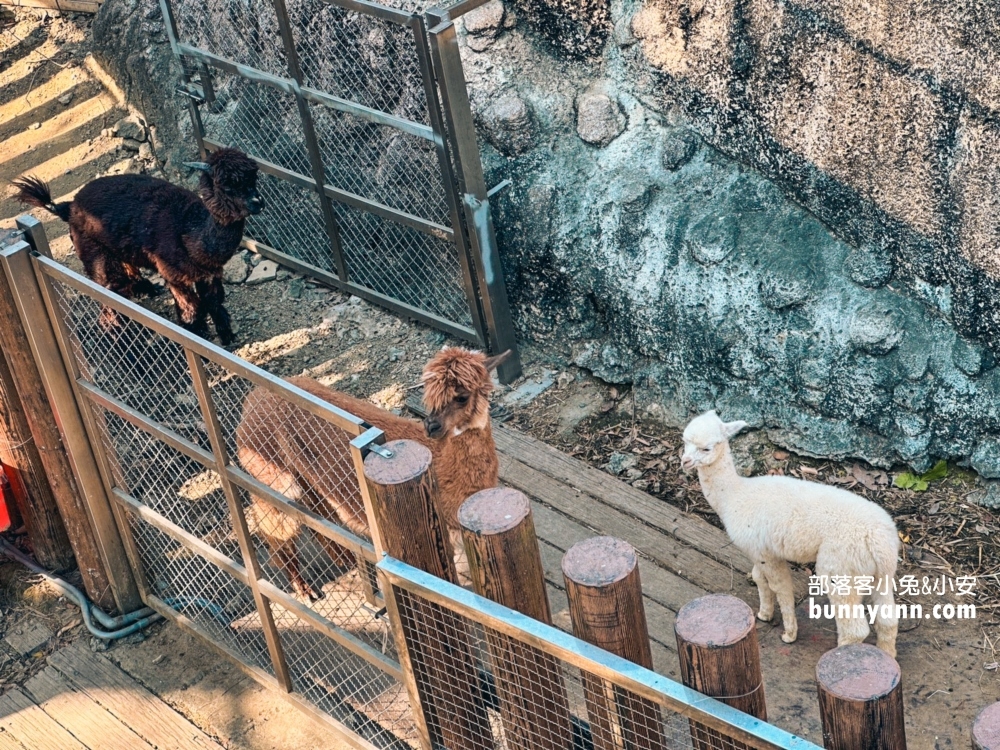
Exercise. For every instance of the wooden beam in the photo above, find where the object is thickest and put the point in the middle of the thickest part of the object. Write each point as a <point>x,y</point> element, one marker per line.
<point>72,6</point>
<point>29,440</point>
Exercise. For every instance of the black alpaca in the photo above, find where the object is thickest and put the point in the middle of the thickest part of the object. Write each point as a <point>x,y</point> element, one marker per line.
<point>124,223</point>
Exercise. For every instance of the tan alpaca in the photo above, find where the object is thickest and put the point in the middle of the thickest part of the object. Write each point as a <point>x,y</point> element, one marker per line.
<point>292,452</point>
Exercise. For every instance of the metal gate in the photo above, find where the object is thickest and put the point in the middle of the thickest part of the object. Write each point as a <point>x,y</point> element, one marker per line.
<point>163,411</point>
<point>359,119</point>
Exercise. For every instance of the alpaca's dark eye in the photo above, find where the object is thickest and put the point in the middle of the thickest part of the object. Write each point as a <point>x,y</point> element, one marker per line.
<point>461,400</point>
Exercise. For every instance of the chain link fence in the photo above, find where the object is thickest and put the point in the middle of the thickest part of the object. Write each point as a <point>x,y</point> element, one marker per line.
<point>486,677</point>
<point>339,103</point>
<point>242,508</point>
<point>217,536</point>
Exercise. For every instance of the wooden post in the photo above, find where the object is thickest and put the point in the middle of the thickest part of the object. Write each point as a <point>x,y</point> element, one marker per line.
<point>46,389</point>
<point>860,699</point>
<point>436,641</point>
<point>986,729</point>
<point>19,451</point>
<point>605,606</point>
<point>719,656</point>
<point>506,567</point>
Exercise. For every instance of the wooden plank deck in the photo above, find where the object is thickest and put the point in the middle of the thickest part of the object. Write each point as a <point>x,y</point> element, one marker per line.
<point>681,557</point>
<point>81,701</point>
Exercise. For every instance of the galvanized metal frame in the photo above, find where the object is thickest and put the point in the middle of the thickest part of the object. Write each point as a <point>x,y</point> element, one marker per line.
<point>731,723</point>
<point>46,273</point>
<point>498,327</point>
<point>452,132</point>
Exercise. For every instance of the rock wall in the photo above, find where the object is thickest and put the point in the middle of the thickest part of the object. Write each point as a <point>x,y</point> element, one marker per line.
<point>783,210</point>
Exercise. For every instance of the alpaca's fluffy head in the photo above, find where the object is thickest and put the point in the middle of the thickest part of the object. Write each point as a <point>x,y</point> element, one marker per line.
<point>457,389</point>
<point>228,185</point>
<point>705,438</point>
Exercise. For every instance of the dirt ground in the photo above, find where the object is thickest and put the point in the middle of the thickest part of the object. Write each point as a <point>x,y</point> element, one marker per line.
<point>291,326</point>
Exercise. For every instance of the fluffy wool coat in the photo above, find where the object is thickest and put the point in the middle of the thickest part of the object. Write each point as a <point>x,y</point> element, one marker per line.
<point>295,453</point>
<point>776,520</point>
<point>124,223</point>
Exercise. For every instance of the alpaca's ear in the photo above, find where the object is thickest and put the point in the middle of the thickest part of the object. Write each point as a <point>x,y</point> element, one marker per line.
<point>732,428</point>
<point>492,363</point>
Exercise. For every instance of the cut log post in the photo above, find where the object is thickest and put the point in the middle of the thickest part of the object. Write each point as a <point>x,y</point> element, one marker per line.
<point>860,699</point>
<point>719,656</point>
<point>436,642</point>
<point>605,606</point>
<point>986,729</point>
<point>19,453</point>
<point>506,567</point>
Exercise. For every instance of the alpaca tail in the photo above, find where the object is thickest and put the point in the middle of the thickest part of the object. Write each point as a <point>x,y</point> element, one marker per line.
<point>35,192</point>
<point>883,544</point>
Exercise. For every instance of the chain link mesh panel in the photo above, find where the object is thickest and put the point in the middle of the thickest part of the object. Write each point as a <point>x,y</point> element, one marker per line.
<point>483,688</point>
<point>258,119</point>
<point>194,587</point>
<point>292,223</point>
<point>173,503</point>
<point>359,57</point>
<point>366,60</point>
<point>394,260</point>
<point>345,685</point>
<point>244,31</point>
<point>166,481</point>
<point>146,372</point>
<point>381,163</point>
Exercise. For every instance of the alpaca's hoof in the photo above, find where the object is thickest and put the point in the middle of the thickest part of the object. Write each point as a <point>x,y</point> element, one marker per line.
<point>765,617</point>
<point>789,637</point>
<point>891,650</point>
<point>307,594</point>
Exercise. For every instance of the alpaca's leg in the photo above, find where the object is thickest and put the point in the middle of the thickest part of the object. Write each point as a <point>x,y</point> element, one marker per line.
<point>188,305</point>
<point>339,554</point>
<point>765,593</point>
<point>278,530</point>
<point>213,294</point>
<point>886,625</point>
<point>779,578</point>
<point>140,284</point>
<point>280,533</point>
<point>850,628</point>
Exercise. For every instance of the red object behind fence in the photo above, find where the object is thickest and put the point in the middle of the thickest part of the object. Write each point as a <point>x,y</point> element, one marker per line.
<point>6,500</point>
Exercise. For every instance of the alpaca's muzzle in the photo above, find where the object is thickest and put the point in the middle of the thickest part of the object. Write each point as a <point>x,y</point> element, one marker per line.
<point>255,204</point>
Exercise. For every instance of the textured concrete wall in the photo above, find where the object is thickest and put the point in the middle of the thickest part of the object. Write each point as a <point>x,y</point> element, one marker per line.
<point>786,210</point>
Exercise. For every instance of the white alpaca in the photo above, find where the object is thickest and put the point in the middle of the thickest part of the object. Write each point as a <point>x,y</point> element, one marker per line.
<point>777,520</point>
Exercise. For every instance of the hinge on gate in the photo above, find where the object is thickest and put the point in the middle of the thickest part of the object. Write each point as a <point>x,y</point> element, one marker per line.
<point>191,91</point>
<point>502,185</point>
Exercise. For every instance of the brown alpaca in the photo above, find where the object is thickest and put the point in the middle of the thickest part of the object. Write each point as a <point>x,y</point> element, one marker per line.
<point>293,452</point>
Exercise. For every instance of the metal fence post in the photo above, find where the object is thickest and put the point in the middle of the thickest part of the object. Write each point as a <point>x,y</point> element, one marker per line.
<point>218,441</point>
<point>90,521</point>
<point>312,143</point>
<point>472,185</point>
